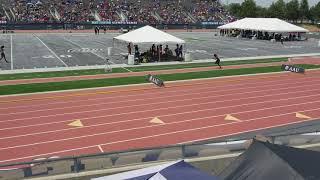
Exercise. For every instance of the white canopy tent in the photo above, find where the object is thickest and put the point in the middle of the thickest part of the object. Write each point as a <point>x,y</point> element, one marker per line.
<point>264,24</point>
<point>148,35</point>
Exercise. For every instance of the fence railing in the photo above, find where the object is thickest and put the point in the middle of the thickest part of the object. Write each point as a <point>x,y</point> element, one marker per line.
<point>54,166</point>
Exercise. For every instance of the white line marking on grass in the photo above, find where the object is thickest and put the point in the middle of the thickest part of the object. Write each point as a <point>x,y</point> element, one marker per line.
<point>104,58</point>
<point>11,52</point>
<point>51,51</point>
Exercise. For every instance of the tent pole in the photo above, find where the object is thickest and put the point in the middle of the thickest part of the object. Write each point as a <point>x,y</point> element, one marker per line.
<point>184,50</point>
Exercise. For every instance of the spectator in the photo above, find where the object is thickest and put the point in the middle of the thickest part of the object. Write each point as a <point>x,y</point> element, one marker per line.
<point>177,51</point>
<point>129,49</point>
<point>180,51</point>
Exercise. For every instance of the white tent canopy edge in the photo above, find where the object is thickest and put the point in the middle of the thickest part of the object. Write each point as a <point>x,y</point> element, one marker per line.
<point>264,24</point>
<point>148,35</point>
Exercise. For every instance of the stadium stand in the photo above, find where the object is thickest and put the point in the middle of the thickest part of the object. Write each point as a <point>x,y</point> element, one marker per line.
<point>142,12</point>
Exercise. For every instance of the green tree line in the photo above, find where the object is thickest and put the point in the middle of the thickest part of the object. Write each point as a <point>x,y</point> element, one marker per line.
<point>293,10</point>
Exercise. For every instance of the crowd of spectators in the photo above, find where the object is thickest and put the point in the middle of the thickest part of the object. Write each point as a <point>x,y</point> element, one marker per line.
<point>73,10</point>
<point>2,17</point>
<point>172,12</point>
<point>29,11</point>
<point>209,10</point>
<point>140,11</point>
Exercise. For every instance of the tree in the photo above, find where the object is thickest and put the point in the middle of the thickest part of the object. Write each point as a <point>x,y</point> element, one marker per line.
<point>277,10</point>
<point>248,9</point>
<point>234,9</point>
<point>304,10</point>
<point>315,12</point>
<point>262,12</point>
<point>292,10</point>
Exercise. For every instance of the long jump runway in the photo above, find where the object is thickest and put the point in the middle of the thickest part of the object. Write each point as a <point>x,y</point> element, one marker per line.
<point>122,118</point>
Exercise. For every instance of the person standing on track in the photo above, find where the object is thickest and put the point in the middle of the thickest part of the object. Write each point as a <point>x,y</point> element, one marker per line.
<point>215,56</point>
<point>3,55</point>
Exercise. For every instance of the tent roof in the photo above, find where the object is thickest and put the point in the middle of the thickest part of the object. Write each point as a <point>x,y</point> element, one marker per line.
<point>265,161</point>
<point>170,171</point>
<point>263,24</point>
<point>147,172</point>
<point>148,34</point>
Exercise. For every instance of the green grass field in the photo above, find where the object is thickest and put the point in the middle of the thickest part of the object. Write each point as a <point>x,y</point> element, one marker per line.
<point>42,87</point>
<point>134,69</point>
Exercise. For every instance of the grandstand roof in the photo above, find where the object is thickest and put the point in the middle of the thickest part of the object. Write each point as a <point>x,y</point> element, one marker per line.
<point>263,24</point>
<point>148,34</point>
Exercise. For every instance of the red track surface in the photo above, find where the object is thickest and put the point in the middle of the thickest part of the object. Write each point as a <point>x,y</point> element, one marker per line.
<point>34,126</point>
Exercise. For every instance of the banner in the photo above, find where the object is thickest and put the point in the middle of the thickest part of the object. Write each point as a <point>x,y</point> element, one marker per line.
<point>292,68</point>
<point>213,23</point>
<point>101,22</point>
<point>155,80</point>
<point>112,22</point>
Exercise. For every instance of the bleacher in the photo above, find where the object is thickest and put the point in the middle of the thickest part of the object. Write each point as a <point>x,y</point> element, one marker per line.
<point>142,12</point>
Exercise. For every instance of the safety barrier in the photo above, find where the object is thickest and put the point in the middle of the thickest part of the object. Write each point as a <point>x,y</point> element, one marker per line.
<point>46,166</point>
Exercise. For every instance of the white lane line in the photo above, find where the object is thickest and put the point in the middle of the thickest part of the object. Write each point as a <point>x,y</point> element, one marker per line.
<point>155,125</point>
<point>252,130</point>
<point>176,132</point>
<point>11,52</point>
<point>110,115</point>
<point>134,100</point>
<point>51,51</point>
<point>143,84</point>
<point>157,93</point>
<point>103,58</point>
<point>152,100</point>
<point>89,126</point>
<point>166,97</point>
<point>100,148</point>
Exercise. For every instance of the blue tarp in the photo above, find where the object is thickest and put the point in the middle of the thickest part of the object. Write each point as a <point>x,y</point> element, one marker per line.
<point>170,171</point>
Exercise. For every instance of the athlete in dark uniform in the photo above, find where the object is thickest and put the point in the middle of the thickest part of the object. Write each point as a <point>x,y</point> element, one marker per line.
<point>217,60</point>
<point>2,54</point>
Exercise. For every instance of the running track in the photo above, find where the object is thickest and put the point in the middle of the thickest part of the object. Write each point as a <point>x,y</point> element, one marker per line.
<point>118,118</point>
